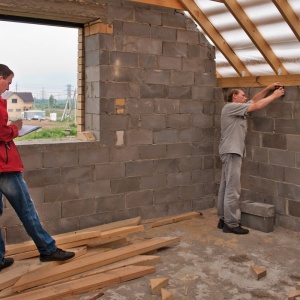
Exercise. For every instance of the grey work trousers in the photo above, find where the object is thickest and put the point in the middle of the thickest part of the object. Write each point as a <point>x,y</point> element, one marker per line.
<point>230,189</point>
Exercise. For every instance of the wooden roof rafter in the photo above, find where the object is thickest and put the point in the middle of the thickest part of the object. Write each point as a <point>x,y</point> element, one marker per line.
<point>216,37</point>
<point>257,39</point>
<point>289,16</point>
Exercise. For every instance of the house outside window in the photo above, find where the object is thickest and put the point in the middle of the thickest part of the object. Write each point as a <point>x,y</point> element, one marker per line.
<point>10,110</point>
<point>14,100</point>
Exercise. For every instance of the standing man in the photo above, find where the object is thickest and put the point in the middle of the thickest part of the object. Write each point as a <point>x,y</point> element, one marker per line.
<point>13,186</point>
<point>232,150</point>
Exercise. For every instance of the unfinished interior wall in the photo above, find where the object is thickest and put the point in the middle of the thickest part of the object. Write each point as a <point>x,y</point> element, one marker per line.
<point>149,100</point>
<point>271,170</point>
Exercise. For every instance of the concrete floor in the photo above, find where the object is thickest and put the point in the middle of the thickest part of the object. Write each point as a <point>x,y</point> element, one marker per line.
<point>210,265</point>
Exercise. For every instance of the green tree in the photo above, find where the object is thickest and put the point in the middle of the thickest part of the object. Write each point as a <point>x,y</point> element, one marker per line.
<point>52,101</point>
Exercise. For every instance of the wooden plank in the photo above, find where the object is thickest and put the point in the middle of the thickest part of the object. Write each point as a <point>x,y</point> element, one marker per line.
<point>12,275</point>
<point>77,266</point>
<point>202,20</point>
<point>139,260</point>
<point>258,81</point>
<point>84,285</point>
<point>30,246</point>
<point>71,240</point>
<point>175,4</point>
<point>258,272</point>
<point>294,295</point>
<point>175,219</point>
<point>158,283</point>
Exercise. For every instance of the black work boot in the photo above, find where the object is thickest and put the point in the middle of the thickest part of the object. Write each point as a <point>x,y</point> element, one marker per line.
<point>6,262</point>
<point>235,230</point>
<point>220,224</point>
<point>57,255</point>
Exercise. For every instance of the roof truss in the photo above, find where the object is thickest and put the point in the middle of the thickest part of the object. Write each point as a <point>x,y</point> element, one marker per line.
<point>245,78</point>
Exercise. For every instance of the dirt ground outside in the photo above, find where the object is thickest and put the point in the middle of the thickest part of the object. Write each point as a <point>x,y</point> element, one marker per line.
<point>208,264</point>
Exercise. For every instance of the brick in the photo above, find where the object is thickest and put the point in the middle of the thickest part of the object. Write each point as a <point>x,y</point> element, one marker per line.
<point>149,46</point>
<point>110,203</point>
<point>193,64</point>
<point>92,74</point>
<point>139,168</point>
<point>124,154</point>
<point>277,141</point>
<point>163,33</point>
<point>207,79</point>
<point>76,174</point>
<point>191,107</point>
<point>288,190</point>
<point>190,163</point>
<point>135,29</point>
<point>148,61</point>
<point>198,51</point>
<point>272,172</point>
<point>113,122</point>
<point>280,110</point>
<point>203,93</point>
<point>259,184</point>
<point>154,211</point>
<point>166,106</point>
<point>154,182</point>
<point>153,91</point>
<point>118,215</point>
<point>76,208</point>
<point>199,148</point>
<point>204,203</point>
<point>124,59</point>
<point>179,92</point>
<point>94,189</point>
<point>203,121</point>
<point>139,137</point>
<point>174,49</point>
<point>178,121</point>
<point>179,150</point>
<point>60,159</point>
<point>294,208</point>
<point>182,78</point>
<point>125,185</point>
<point>165,136</point>
<point>166,195</point>
<point>114,90</point>
<point>33,160</point>
<point>165,166</point>
<point>174,20</point>
<point>138,199</point>
<point>92,58</point>
<point>157,77</point>
<point>285,126</point>
<point>140,106</point>
<point>191,135</point>
<point>189,37</point>
<point>92,105</point>
<point>282,158</point>
<point>293,142</point>
<point>61,192</point>
<point>263,124</point>
<point>194,191</point>
<point>122,13</point>
<point>203,176</point>
<point>169,63</point>
<point>178,179</point>
<point>153,151</point>
<point>148,16</point>
<point>42,177</point>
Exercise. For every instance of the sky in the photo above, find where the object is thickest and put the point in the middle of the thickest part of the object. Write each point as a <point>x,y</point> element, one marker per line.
<point>43,58</point>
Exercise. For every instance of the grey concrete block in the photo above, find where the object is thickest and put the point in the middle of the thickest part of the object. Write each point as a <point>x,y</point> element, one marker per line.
<point>263,124</point>
<point>157,77</point>
<point>113,122</point>
<point>191,107</point>
<point>148,46</point>
<point>139,199</point>
<point>198,51</point>
<point>92,58</point>
<point>140,106</point>
<point>169,63</point>
<point>191,135</point>
<point>207,79</point>
<point>263,224</point>
<point>203,176</point>
<point>277,141</point>
<point>182,78</point>
<point>124,59</point>
<point>190,163</point>
<point>42,177</point>
<point>174,49</point>
<point>166,106</point>
<point>163,33</point>
<point>258,209</point>
<point>60,159</point>
<point>175,20</point>
<point>282,158</point>
<point>93,189</point>
<point>206,202</point>
<point>293,142</point>
<point>154,211</point>
<point>166,166</point>
<point>110,203</point>
<point>194,191</point>
<point>139,168</point>
<point>294,208</point>
<point>147,61</point>
<point>179,179</point>
<point>92,74</point>
<point>166,195</point>
<point>139,137</point>
<point>33,160</point>
<point>193,64</point>
<point>153,151</point>
<point>153,91</point>
<point>167,136</point>
<point>154,182</point>
<point>272,172</point>
<point>122,13</point>
<point>122,154</point>
<point>203,93</point>
<point>109,171</point>
<point>189,37</point>
<point>125,185</point>
<point>203,121</point>
<point>153,121</point>
<point>287,126</point>
<point>61,192</point>
<point>76,174</point>
<point>94,220</point>
<point>179,121</point>
<point>179,207</point>
<point>114,90</point>
<point>179,92</point>
<point>148,16</point>
<point>136,29</point>
<point>179,150</point>
<point>118,215</point>
<point>280,110</point>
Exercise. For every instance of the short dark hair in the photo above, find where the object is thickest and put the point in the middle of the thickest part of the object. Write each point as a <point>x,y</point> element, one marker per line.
<point>5,71</point>
<point>231,93</point>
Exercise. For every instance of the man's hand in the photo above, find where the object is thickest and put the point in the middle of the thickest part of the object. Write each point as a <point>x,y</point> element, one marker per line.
<point>274,86</point>
<point>279,92</point>
<point>18,123</point>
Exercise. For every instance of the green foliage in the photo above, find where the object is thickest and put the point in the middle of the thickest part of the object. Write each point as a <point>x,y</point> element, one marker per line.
<point>50,133</point>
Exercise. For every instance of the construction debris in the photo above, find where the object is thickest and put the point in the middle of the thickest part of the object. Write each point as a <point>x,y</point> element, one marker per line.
<point>166,295</point>
<point>157,284</point>
<point>294,295</point>
<point>90,269</point>
<point>175,219</point>
<point>258,272</point>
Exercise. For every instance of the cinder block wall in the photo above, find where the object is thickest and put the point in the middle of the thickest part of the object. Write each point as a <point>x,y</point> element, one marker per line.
<point>271,170</point>
<point>150,84</point>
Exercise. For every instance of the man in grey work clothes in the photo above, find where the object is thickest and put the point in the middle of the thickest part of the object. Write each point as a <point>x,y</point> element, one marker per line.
<point>232,150</point>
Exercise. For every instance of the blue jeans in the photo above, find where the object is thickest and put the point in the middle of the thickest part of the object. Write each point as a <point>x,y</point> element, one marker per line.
<point>230,189</point>
<point>14,188</point>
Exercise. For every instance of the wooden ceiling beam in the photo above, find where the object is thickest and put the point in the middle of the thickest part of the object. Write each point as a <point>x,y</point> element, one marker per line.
<point>258,40</point>
<point>164,3</point>
<point>258,81</point>
<point>215,36</point>
<point>289,16</point>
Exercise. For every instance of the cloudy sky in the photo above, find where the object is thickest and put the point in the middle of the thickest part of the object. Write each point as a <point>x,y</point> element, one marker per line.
<point>43,58</point>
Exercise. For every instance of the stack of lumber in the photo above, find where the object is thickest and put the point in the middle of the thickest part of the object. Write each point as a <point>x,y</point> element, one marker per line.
<point>96,264</point>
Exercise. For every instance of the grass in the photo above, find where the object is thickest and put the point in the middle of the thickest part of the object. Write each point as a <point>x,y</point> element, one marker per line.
<point>50,133</point>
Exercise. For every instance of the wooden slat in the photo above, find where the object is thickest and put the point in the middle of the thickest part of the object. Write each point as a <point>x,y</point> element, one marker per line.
<point>164,3</point>
<point>74,236</point>
<point>84,285</point>
<point>258,81</point>
<point>215,36</point>
<point>289,16</point>
<point>77,266</point>
<point>158,283</point>
<point>139,260</point>
<point>175,219</point>
<point>257,39</point>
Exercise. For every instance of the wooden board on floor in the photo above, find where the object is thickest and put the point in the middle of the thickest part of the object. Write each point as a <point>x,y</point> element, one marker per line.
<point>84,285</point>
<point>175,219</point>
<point>74,236</point>
<point>79,265</point>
